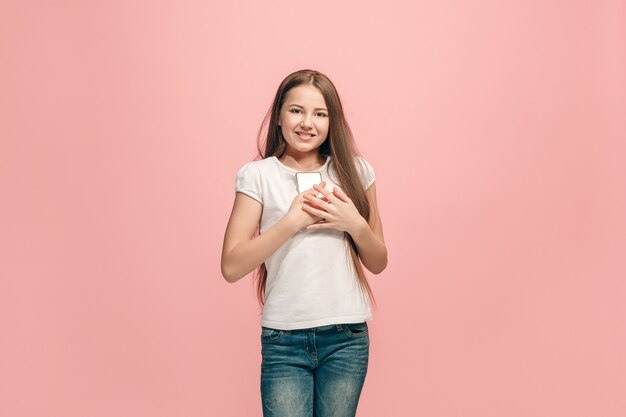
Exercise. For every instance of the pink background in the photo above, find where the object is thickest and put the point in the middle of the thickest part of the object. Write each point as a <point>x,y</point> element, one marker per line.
<point>498,136</point>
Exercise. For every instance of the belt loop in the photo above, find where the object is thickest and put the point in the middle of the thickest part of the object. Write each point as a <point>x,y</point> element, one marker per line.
<point>339,327</point>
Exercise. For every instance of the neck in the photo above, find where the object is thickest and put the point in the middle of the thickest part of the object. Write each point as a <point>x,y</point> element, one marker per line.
<point>303,162</point>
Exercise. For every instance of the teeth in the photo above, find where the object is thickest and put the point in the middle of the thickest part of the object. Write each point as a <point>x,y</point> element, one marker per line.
<point>304,135</point>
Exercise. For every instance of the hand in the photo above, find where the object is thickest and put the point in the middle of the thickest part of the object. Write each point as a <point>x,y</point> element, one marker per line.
<point>336,208</point>
<point>296,212</point>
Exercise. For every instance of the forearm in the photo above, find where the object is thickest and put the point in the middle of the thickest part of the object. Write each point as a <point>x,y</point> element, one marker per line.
<point>372,249</point>
<point>247,256</point>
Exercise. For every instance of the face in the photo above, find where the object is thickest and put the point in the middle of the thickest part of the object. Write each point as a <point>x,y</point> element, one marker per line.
<point>303,119</point>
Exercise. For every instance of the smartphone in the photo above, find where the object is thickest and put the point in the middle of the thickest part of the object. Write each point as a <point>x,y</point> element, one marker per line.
<point>306,180</point>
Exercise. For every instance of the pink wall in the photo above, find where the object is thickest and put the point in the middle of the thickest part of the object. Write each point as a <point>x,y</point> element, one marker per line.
<point>498,135</point>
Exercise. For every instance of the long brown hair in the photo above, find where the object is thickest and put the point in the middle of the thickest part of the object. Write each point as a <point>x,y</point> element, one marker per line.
<point>339,145</point>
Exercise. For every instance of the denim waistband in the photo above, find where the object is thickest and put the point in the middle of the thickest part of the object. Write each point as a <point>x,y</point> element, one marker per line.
<point>339,327</point>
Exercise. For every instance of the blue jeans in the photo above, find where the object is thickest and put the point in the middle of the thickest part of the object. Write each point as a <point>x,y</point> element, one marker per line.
<point>314,372</point>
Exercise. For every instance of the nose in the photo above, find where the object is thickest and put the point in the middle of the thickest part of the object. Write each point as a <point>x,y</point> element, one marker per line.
<point>306,122</point>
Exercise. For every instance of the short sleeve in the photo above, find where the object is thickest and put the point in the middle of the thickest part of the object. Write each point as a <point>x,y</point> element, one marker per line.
<point>248,181</point>
<point>367,173</point>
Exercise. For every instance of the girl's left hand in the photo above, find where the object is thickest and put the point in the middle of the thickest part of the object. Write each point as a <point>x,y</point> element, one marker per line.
<point>337,209</point>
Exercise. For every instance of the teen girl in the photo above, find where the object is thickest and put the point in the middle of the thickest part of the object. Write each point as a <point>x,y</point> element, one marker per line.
<point>309,250</point>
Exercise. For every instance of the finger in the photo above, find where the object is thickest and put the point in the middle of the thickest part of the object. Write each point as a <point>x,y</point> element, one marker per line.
<point>312,189</point>
<point>316,200</point>
<point>314,206</point>
<point>340,194</point>
<point>312,210</point>
<point>324,225</point>
<point>323,187</point>
<point>327,194</point>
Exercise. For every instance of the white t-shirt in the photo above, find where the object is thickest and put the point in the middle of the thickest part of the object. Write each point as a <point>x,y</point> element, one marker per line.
<point>311,280</point>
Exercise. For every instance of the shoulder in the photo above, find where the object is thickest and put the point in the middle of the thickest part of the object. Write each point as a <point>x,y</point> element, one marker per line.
<point>257,165</point>
<point>252,178</point>
<point>366,171</point>
<point>362,162</point>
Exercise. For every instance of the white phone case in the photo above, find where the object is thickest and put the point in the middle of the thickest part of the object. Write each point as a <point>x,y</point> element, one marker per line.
<point>306,180</point>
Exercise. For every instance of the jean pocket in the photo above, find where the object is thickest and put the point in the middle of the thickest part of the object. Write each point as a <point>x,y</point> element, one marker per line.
<point>356,329</point>
<point>269,334</point>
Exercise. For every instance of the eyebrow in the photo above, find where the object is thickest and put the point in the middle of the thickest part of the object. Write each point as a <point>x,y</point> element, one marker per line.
<point>297,105</point>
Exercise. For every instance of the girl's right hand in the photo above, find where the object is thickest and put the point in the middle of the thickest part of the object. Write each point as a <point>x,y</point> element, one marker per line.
<point>300,217</point>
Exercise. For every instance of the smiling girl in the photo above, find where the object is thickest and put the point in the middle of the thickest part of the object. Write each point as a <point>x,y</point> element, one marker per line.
<point>308,252</point>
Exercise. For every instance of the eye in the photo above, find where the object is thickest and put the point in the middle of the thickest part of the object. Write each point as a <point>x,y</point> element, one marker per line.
<point>294,110</point>
<point>322,114</point>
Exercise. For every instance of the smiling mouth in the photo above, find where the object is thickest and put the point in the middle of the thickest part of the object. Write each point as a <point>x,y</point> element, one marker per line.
<point>305,135</point>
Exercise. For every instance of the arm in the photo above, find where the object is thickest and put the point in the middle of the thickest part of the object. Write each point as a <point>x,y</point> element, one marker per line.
<point>369,239</point>
<point>240,253</point>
